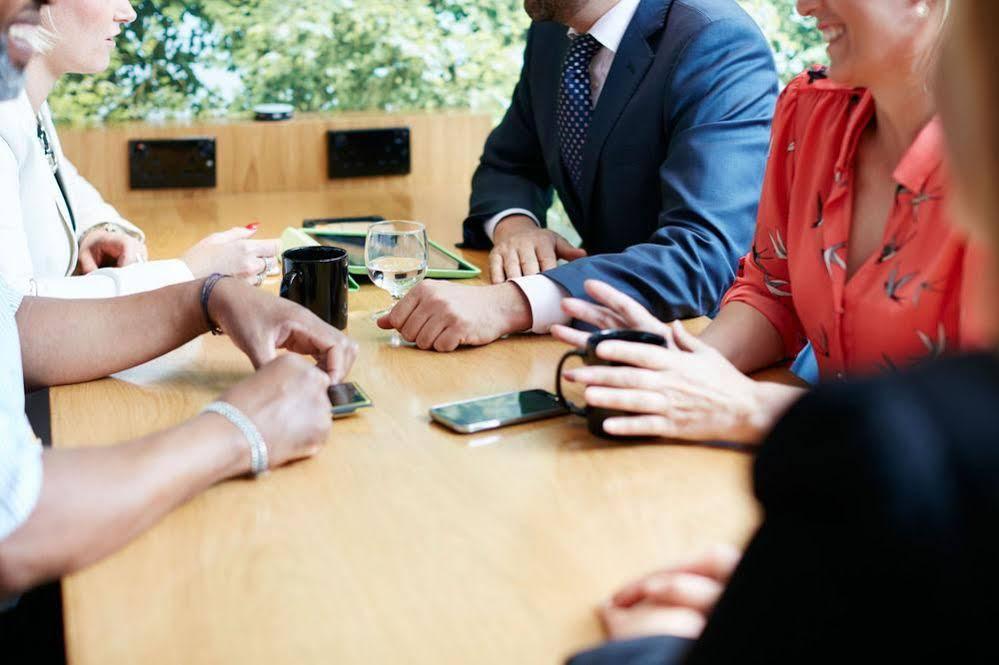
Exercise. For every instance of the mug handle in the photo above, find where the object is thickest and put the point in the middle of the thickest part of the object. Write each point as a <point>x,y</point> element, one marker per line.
<point>573,409</point>
<point>288,284</point>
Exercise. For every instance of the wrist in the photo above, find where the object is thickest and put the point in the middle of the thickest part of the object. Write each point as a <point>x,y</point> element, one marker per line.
<point>112,228</point>
<point>213,300</point>
<point>512,225</point>
<point>514,308</point>
<point>767,404</point>
<point>230,448</point>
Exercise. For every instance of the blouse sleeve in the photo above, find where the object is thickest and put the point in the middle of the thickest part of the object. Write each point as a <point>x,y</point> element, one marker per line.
<point>764,281</point>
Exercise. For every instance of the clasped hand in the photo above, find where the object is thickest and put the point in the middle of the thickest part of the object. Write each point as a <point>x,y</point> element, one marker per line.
<point>521,248</point>
<point>675,601</point>
<point>686,390</point>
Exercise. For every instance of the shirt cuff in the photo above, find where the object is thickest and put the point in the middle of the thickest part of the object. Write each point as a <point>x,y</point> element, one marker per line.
<point>490,226</point>
<point>545,298</point>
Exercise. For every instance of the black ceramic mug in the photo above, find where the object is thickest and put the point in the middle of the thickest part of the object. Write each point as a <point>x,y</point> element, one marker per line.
<point>595,416</point>
<point>316,278</point>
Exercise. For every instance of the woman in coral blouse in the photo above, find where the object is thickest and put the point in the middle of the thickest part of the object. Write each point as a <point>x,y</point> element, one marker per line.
<point>853,250</point>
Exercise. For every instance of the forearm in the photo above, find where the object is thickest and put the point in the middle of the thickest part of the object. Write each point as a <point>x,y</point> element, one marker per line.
<point>70,341</point>
<point>94,501</point>
<point>745,337</point>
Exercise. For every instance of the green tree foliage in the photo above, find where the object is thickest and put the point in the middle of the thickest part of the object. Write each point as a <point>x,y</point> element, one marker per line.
<point>220,57</point>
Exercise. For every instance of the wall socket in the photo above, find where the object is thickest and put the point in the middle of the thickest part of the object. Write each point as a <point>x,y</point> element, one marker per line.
<point>172,163</point>
<point>359,153</point>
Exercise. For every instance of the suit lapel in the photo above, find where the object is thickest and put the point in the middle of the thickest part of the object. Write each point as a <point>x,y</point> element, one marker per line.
<point>631,62</point>
<point>67,226</point>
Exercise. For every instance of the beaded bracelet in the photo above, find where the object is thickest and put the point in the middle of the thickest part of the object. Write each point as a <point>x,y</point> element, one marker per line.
<point>259,463</point>
<point>206,293</point>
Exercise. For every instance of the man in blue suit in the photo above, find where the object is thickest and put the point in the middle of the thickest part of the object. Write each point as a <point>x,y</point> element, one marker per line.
<point>651,120</point>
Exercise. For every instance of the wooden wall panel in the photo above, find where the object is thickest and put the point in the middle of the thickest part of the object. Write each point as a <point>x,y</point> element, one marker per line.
<point>288,156</point>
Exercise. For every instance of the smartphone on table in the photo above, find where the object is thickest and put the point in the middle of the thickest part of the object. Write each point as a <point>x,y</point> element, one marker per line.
<point>346,399</point>
<point>494,411</point>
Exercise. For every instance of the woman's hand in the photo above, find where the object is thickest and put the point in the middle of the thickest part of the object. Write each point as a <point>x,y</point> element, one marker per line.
<point>615,311</point>
<point>108,249</point>
<point>688,391</point>
<point>287,401</point>
<point>675,601</point>
<point>233,253</point>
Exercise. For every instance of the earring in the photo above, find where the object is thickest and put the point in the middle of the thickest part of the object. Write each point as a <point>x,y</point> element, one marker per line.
<point>923,9</point>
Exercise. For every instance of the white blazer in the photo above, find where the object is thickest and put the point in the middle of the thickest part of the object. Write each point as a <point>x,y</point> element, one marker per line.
<point>38,248</point>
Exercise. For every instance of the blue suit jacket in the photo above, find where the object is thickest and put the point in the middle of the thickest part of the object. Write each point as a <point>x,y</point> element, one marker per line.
<point>674,161</point>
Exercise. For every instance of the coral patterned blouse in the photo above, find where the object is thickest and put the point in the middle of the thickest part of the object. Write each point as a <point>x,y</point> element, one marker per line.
<point>908,301</point>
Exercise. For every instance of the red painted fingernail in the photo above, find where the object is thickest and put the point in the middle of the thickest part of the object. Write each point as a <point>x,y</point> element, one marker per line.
<point>253,226</point>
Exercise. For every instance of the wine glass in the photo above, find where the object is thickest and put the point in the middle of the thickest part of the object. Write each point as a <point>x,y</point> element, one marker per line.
<point>396,255</point>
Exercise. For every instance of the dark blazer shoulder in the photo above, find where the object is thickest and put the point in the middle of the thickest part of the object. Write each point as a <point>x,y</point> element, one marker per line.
<point>902,451</point>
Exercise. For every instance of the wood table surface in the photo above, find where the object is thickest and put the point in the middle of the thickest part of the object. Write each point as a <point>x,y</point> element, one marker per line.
<point>400,542</point>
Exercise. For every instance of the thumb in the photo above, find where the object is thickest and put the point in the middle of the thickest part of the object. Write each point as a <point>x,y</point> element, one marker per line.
<point>685,340</point>
<point>385,323</point>
<point>564,250</point>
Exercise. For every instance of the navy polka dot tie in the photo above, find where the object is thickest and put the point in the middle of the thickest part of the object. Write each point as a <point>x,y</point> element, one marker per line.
<point>574,104</point>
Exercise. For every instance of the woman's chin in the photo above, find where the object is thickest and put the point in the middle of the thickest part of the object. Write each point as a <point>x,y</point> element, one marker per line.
<point>842,73</point>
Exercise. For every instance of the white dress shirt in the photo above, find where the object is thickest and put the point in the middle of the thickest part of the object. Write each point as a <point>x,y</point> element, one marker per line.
<point>20,452</point>
<point>39,249</point>
<point>543,294</point>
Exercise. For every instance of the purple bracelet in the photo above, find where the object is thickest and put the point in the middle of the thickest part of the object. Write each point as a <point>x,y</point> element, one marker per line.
<point>206,293</point>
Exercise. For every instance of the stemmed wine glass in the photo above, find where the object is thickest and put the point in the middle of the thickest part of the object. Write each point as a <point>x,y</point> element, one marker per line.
<point>396,255</point>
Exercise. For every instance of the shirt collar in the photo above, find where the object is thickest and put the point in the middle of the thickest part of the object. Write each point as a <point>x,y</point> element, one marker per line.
<point>920,161</point>
<point>610,29</point>
<point>923,157</point>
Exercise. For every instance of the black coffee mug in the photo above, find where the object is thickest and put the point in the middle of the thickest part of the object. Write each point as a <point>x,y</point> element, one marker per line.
<point>316,278</point>
<point>596,416</point>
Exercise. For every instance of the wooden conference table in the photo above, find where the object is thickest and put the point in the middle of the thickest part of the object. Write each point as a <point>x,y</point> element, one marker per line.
<point>400,542</point>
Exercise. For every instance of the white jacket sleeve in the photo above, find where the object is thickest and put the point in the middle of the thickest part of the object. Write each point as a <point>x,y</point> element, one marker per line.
<point>111,282</point>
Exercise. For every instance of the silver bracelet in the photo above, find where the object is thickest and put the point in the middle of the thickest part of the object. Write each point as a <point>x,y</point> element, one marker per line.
<point>258,449</point>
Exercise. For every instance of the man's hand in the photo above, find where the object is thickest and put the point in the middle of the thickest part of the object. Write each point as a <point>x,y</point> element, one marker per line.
<point>521,249</point>
<point>259,323</point>
<point>102,249</point>
<point>443,316</point>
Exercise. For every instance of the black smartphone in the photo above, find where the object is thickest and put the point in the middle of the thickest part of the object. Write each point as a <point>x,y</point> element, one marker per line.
<point>347,398</point>
<point>483,413</point>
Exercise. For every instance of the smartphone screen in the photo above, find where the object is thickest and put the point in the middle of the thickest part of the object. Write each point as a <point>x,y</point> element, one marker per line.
<point>347,398</point>
<point>498,410</point>
<point>355,251</point>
